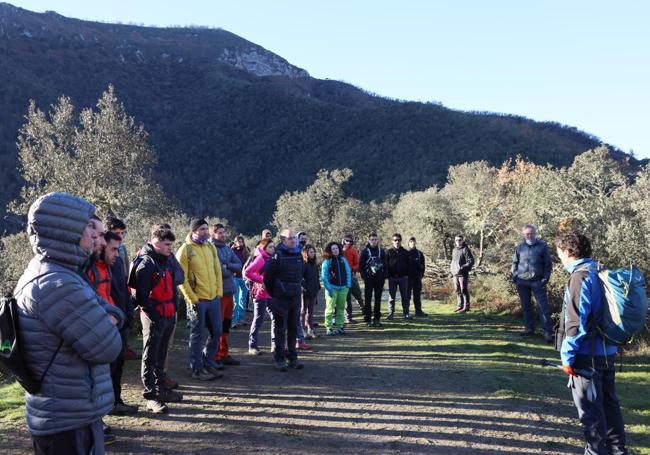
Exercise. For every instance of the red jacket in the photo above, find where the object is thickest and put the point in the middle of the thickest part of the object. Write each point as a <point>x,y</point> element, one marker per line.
<point>100,277</point>
<point>351,255</point>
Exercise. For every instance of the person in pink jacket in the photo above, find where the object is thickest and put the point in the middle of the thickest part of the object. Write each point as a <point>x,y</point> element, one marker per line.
<point>255,272</point>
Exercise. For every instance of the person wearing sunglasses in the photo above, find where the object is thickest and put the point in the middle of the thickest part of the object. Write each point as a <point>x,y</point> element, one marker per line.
<point>398,276</point>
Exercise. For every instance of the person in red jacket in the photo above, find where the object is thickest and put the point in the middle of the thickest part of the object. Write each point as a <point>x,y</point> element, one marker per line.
<point>351,255</point>
<point>100,277</point>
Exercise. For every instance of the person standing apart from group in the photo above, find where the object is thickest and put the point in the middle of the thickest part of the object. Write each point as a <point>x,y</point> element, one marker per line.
<point>531,270</point>
<point>462,261</point>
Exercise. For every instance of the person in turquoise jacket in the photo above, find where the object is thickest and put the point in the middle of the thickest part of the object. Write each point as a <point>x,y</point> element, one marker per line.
<point>337,279</point>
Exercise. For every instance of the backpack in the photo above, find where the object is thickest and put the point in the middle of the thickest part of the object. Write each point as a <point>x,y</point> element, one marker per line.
<point>374,264</point>
<point>10,353</point>
<point>626,304</point>
<point>249,284</point>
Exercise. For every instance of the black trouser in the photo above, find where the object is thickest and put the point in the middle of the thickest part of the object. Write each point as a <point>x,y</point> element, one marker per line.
<point>117,366</point>
<point>285,322</point>
<point>72,442</point>
<point>461,285</point>
<point>155,340</point>
<point>401,282</point>
<point>355,291</point>
<point>601,418</point>
<point>376,286</point>
<point>415,289</point>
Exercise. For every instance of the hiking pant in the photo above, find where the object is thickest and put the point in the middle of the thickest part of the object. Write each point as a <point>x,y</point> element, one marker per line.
<point>300,330</point>
<point>601,419</point>
<point>241,297</point>
<point>205,314</point>
<point>227,306</point>
<point>307,311</point>
<point>373,286</point>
<point>171,343</point>
<point>335,302</point>
<point>258,319</point>
<point>283,324</point>
<point>403,283</point>
<point>526,289</point>
<point>461,286</point>
<point>155,339</point>
<point>415,289</point>
<point>79,441</point>
<point>117,367</point>
<point>355,291</point>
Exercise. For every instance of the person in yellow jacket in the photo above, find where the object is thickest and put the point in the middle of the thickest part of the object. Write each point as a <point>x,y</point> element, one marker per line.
<point>202,291</point>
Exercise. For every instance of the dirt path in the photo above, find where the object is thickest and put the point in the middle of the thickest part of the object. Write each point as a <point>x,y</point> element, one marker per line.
<point>381,390</point>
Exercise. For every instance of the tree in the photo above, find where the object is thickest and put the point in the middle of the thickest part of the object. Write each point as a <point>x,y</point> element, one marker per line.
<point>104,158</point>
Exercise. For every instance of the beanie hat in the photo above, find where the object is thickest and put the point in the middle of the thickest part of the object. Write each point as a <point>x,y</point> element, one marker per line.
<point>197,223</point>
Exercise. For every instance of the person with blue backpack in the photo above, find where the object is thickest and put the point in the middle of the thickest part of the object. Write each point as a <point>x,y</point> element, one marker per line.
<point>587,354</point>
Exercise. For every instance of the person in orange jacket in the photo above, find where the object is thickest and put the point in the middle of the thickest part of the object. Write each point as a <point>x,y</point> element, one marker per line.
<point>351,255</point>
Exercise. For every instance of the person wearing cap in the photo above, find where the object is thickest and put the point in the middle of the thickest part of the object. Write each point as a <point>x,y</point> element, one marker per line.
<point>351,254</point>
<point>202,290</point>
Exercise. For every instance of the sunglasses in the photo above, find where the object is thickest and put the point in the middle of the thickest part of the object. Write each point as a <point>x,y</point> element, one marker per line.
<point>397,240</point>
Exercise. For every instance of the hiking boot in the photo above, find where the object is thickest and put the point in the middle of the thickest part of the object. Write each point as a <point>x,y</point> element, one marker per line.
<point>316,324</point>
<point>281,365</point>
<point>377,324</point>
<point>169,396</point>
<point>170,384</point>
<point>390,317</point>
<point>295,365</point>
<point>214,372</point>
<point>310,334</point>
<point>155,406</point>
<point>303,345</point>
<point>350,321</point>
<point>130,354</point>
<point>254,351</point>
<point>407,316</point>
<point>122,409</point>
<point>458,310</point>
<point>369,324</point>
<point>465,310</point>
<point>230,361</point>
<point>203,375</point>
<point>109,439</point>
<point>549,338</point>
<point>218,365</point>
<point>330,333</point>
<point>420,314</point>
<point>234,325</point>
<point>341,331</point>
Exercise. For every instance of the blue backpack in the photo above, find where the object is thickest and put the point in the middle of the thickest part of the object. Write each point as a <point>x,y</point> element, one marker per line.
<point>626,304</point>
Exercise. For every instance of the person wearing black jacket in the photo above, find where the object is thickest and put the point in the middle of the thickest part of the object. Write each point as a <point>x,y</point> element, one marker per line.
<point>398,268</point>
<point>155,294</point>
<point>283,281</point>
<point>372,268</point>
<point>462,261</point>
<point>310,288</point>
<point>416,273</point>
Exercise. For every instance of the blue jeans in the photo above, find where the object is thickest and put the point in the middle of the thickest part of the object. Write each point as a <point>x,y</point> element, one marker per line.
<point>241,295</point>
<point>258,319</point>
<point>526,290</point>
<point>205,314</point>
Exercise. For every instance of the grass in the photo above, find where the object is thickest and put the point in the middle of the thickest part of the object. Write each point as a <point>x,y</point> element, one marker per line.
<point>12,402</point>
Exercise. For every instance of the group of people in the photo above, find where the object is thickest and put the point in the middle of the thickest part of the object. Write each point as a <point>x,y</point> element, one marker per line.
<point>76,300</point>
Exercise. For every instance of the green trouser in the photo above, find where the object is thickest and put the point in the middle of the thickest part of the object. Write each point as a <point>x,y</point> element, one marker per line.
<point>335,303</point>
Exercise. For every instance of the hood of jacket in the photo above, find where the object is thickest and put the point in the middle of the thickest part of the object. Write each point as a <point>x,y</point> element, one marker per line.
<point>262,252</point>
<point>56,222</point>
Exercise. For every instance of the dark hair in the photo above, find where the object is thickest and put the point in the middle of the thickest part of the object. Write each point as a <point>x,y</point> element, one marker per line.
<point>574,242</point>
<point>216,227</point>
<point>155,227</point>
<point>372,234</point>
<point>301,233</point>
<point>327,252</point>
<point>163,234</point>
<point>114,223</point>
<point>264,243</point>
<point>305,252</point>
<point>412,239</point>
<point>399,236</point>
<point>110,235</point>
<point>95,217</point>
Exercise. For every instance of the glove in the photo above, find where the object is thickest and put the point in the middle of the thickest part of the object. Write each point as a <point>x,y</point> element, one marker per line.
<point>568,369</point>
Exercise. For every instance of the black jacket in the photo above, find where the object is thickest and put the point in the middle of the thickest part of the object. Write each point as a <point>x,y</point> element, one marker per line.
<point>372,263</point>
<point>283,274</point>
<point>462,260</point>
<point>151,264</point>
<point>416,264</point>
<point>119,289</point>
<point>310,279</point>
<point>398,262</point>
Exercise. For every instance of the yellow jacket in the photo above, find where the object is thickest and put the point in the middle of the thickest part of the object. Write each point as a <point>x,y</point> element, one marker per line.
<point>202,269</point>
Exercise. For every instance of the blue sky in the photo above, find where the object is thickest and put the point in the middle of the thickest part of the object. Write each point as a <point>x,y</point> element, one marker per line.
<point>581,63</point>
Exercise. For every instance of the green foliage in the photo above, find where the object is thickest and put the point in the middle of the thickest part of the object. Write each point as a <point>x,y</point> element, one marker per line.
<point>15,254</point>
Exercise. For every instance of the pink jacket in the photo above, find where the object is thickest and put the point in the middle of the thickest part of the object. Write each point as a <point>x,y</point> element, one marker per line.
<point>255,273</point>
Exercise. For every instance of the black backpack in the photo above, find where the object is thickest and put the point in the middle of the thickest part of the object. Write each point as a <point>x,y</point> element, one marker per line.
<point>10,354</point>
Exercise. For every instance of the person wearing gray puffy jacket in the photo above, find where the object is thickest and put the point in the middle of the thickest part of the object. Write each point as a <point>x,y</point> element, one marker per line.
<point>531,270</point>
<point>64,322</point>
